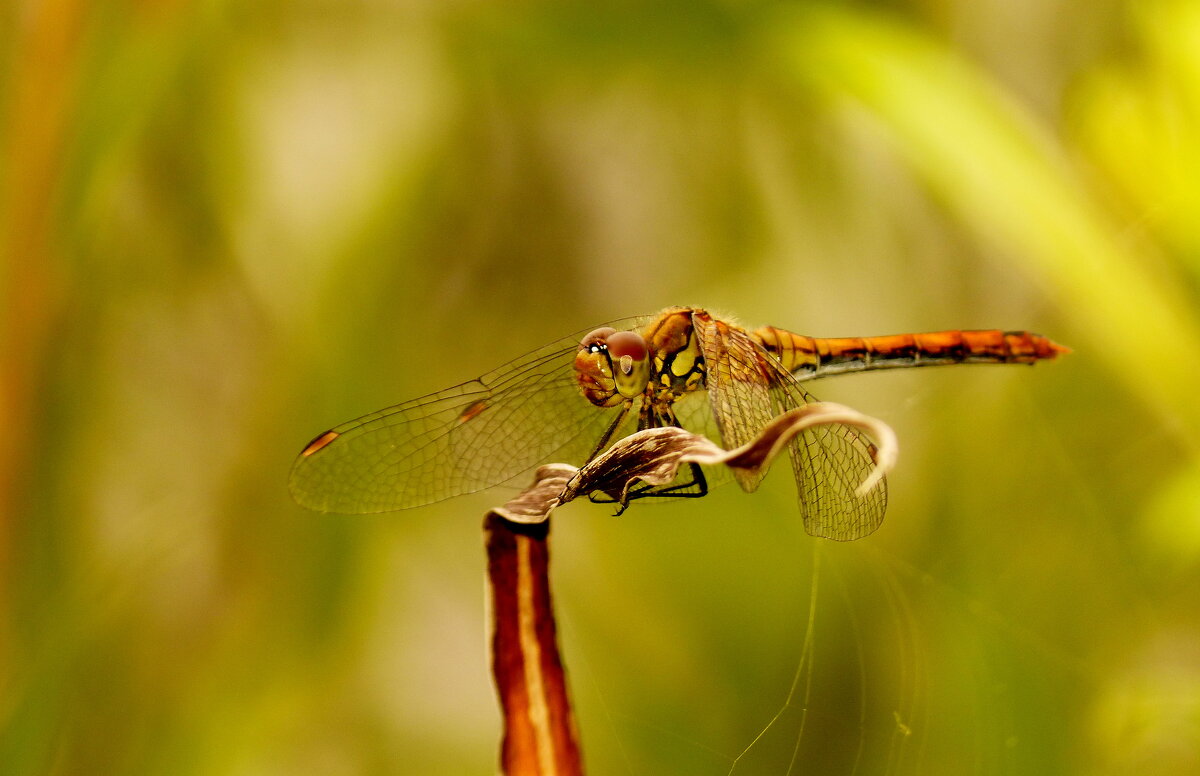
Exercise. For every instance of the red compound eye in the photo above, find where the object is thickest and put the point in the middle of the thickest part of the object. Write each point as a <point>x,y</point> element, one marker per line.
<point>627,343</point>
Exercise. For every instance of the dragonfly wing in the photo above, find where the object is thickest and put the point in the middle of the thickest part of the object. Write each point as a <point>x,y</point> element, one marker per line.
<point>738,386</point>
<point>694,413</point>
<point>460,440</point>
<point>830,462</point>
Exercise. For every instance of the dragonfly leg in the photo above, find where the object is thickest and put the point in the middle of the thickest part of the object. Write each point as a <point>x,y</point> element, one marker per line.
<point>602,445</point>
<point>695,487</point>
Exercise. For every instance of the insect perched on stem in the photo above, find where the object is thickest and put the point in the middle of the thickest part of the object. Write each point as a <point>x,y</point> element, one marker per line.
<point>571,400</point>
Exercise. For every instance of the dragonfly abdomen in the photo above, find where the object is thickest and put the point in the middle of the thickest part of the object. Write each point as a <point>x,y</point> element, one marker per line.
<point>808,357</point>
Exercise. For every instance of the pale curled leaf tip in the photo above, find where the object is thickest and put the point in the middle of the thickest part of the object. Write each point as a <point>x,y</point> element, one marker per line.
<point>655,455</point>
<point>535,503</point>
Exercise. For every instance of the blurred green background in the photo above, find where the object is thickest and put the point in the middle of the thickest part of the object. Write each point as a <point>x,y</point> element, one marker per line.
<point>226,227</point>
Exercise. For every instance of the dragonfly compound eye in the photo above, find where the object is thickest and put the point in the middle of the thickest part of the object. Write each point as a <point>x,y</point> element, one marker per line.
<point>597,339</point>
<point>630,362</point>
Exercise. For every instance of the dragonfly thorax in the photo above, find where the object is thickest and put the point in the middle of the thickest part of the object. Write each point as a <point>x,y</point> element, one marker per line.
<point>678,363</point>
<point>676,373</point>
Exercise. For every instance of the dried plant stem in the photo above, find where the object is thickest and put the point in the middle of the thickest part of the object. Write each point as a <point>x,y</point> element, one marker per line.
<point>540,737</point>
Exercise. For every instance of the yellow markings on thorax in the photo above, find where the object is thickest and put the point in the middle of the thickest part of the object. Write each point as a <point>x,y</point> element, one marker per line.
<point>684,360</point>
<point>678,367</point>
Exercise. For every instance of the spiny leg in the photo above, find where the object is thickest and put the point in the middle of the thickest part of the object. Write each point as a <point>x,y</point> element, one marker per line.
<point>695,487</point>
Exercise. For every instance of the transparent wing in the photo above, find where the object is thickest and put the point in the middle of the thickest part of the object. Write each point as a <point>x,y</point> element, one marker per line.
<point>747,387</point>
<point>695,414</point>
<point>830,462</point>
<point>738,386</point>
<point>460,440</point>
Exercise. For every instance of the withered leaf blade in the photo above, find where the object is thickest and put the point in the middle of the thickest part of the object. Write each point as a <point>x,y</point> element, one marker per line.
<point>655,455</point>
<point>535,503</point>
<point>652,456</point>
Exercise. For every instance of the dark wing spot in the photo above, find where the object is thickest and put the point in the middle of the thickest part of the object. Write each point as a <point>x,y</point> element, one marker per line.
<point>318,443</point>
<point>472,411</point>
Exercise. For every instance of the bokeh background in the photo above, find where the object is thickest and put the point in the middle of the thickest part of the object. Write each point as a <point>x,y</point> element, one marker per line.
<point>229,226</point>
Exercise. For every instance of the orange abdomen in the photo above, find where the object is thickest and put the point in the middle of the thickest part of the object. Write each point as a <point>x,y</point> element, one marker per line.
<point>809,357</point>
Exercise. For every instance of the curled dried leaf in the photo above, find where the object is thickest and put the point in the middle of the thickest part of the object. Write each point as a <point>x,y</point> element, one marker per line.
<point>654,456</point>
<point>535,503</point>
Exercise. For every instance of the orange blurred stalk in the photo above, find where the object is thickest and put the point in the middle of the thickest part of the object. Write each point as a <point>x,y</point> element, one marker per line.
<point>41,92</point>
<point>540,737</point>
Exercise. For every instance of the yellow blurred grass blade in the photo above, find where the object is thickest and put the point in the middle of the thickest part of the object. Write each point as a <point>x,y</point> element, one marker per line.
<point>998,172</point>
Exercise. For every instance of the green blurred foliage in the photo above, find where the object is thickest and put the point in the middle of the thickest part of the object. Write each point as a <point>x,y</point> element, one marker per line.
<point>228,226</point>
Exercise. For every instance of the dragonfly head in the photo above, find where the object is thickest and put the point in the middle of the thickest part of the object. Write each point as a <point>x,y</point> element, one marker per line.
<point>612,366</point>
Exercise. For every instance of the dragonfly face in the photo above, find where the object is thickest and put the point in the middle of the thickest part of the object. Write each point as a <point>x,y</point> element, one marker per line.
<point>612,366</point>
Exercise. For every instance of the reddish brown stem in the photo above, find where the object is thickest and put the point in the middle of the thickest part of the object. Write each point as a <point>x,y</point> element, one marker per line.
<point>540,738</point>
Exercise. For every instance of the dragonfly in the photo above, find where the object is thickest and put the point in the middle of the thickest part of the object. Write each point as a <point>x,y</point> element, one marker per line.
<point>572,399</point>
